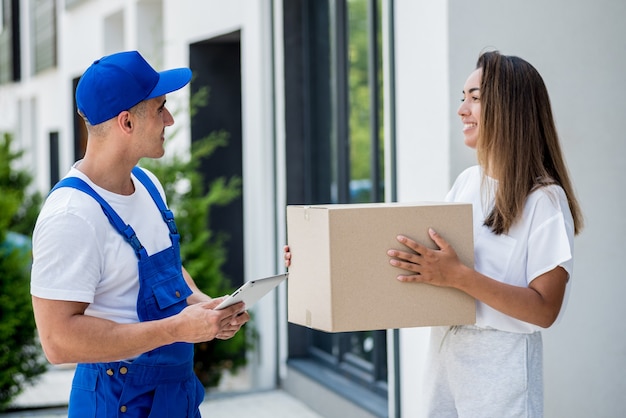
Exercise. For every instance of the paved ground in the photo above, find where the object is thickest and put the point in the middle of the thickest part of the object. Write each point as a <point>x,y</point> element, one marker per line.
<point>48,399</point>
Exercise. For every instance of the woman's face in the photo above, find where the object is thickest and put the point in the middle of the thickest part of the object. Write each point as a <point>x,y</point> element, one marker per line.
<point>469,111</point>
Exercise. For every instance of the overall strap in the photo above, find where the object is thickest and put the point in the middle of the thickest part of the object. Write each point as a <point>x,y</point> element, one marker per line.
<point>168,215</point>
<point>125,230</point>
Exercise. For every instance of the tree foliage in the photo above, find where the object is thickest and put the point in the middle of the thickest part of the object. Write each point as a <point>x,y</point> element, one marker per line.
<point>359,94</point>
<point>21,359</point>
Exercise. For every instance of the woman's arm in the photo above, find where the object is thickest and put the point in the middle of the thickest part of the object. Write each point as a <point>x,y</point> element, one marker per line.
<point>539,303</point>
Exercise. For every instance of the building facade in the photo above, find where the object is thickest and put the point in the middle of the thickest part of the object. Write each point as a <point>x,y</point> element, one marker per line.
<point>342,101</point>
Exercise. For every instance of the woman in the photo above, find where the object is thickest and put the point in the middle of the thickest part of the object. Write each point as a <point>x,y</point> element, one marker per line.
<point>525,219</point>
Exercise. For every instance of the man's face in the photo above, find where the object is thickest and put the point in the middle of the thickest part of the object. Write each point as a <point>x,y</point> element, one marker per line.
<point>150,129</point>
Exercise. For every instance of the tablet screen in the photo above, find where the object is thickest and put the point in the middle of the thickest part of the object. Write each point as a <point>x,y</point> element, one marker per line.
<point>252,291</point>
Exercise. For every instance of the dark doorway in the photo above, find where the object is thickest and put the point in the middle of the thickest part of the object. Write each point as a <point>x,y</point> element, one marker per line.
<point>216,65</point>
<point>80,130</point>
<point>53,138</point>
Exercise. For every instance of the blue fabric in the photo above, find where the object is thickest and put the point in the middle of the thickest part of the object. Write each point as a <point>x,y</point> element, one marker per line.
<point>117,82</point>
<point>161,382</point>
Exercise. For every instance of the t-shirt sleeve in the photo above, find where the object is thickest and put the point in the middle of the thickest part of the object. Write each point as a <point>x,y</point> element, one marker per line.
<point>550,243</point>
<point>65,260</point>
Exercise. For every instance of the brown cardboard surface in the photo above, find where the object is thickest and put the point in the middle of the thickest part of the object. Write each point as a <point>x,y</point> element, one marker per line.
<point>340,278</point>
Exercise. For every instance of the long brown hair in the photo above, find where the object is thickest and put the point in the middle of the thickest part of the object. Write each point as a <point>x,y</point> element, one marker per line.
<point>518,143</point>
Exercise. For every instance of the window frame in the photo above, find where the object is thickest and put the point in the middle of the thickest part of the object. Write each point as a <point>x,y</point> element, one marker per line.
<point>318,155</point>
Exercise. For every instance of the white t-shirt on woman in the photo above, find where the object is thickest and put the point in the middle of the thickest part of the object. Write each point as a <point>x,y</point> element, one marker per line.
<point>541,240</point>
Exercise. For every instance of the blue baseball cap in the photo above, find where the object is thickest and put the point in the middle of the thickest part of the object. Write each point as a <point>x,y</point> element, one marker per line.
<point>117,82</point>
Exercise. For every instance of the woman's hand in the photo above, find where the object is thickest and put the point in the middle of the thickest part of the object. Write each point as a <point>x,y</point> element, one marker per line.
<point>440,267</point>
<point>539,303</point>
<point>287,256</point>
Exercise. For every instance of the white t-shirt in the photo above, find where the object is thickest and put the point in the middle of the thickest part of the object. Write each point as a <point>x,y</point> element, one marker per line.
<point>78,255</point>
<point>541,240</point>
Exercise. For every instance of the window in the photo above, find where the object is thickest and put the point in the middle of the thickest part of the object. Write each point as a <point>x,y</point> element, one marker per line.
<point>44,33</point>
<point>9,41</point>
<point>365,101</point>
<point>335,146</point>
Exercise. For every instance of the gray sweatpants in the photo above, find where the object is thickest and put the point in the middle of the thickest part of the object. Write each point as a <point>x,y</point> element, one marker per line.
<point>484,373</point>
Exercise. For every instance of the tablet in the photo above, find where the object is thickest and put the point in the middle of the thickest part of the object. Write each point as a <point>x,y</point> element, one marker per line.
<point>252,291</point>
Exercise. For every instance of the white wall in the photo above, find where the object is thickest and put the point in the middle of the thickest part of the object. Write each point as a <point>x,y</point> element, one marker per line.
<point>422,100</point>
<point>260,205</point>
<point>422,138</point>
<point>579,48</point>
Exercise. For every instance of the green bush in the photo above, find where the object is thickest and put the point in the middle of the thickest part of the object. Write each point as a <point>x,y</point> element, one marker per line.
<point>21,359</point>
<point>202,251</point>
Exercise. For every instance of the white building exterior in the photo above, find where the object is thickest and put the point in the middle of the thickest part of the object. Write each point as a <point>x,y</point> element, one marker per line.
<point>578,47</point>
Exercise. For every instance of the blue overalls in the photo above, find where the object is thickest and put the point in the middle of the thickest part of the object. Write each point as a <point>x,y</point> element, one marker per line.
<point>161,382</point>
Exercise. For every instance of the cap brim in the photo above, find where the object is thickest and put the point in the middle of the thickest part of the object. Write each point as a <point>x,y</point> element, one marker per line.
<point>169,81</point>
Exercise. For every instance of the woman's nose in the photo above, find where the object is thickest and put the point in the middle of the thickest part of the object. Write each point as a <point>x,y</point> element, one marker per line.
<point>463,110</point>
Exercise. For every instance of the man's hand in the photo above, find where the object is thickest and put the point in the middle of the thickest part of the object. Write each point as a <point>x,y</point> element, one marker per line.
<point>200,322</point>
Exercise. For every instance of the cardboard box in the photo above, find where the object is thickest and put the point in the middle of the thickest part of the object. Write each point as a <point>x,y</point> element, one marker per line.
<point>340,278</point>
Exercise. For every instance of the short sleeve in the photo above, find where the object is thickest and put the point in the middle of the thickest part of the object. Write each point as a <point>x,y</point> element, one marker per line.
<point>550,242</point>
<point>69,273</point>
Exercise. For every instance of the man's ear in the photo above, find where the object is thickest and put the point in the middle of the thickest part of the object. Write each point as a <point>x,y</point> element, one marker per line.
<point>124,121</point>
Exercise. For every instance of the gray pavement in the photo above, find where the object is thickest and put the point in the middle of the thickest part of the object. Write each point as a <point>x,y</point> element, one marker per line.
<point>48,399</point>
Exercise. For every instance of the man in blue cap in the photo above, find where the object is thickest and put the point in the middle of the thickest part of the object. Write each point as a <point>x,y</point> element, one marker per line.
<point>109,290</point>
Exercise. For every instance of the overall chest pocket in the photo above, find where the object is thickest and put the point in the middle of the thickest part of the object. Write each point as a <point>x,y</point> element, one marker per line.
<point>170,292</point>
